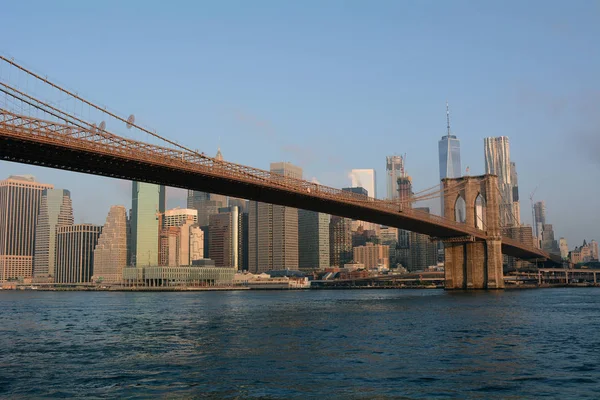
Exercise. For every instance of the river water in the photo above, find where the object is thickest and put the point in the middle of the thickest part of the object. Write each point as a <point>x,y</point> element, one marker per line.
<point>301,344</point>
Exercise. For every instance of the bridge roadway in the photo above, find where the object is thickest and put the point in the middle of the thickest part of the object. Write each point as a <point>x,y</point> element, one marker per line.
<point>84,148</point>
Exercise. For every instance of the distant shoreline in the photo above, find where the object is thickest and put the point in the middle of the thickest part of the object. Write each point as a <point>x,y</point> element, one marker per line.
<point>229,289</point>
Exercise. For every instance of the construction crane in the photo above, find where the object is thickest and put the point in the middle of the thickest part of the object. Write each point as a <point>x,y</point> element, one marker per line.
<point>533,224</point>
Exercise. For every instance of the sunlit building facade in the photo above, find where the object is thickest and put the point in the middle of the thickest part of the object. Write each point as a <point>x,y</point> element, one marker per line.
<point>313,240</point>
<point>75,252</point>
<point>20,198</point>
<point>148,204</point>
<point>56,209</point>
<point>110,254</point>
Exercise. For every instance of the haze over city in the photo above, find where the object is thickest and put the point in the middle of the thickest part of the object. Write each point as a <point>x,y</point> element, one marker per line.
<point>336,89</point>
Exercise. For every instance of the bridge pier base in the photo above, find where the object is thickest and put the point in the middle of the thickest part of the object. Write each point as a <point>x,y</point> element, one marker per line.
<point>474,265</point>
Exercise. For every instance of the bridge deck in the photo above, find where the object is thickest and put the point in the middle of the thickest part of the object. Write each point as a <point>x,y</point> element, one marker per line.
<point>89,150</point>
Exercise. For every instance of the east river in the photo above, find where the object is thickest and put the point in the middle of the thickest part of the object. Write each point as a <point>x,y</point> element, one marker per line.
<point>301,344</point>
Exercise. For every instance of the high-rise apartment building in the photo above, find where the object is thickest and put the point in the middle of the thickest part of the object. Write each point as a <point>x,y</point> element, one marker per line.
<point>405,195</point>
<point>497,162</point>
<point>148,204</point>
<point>75,252</point>
<point>514,179</point>
<point>56,209</point>
<point>179,216</point>
<point>539,214</point>
<point>313,240</point>
<point>394,168</point>
<point>20,198</point>
<point>110,254</point>
<point>340,241</point>
<point>180,238</point>
<point>423,251</point>
<point>389,237</point>
<point>365,178</point>
<point>196,243</point>
<point>449,156</point>
<point>372,255</point>
<point>548,242</point>
<point>225,229</point>
<point>273,230</point>
<point>564,248</point>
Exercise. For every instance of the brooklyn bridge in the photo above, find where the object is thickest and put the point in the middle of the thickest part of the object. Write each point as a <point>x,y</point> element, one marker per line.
<point>35,130</point>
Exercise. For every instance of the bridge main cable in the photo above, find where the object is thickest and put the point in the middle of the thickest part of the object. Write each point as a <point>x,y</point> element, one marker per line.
<point>99,108</point>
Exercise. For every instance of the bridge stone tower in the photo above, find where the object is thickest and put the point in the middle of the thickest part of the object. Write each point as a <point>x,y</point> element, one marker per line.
<point>473,263</point>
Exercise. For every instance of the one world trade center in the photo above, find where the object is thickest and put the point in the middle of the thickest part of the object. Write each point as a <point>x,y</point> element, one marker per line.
<point>449,152</point>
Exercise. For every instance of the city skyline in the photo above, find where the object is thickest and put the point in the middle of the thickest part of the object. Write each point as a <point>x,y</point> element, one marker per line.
<point>530,109</point>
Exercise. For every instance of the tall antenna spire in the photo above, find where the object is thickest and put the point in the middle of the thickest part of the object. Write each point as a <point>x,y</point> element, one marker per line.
<point>448,117</point>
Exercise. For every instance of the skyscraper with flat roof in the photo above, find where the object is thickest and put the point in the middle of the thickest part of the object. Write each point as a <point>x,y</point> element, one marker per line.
<point>224,236</point>
<point>449,156</point>
<point>56,209</point>
<point>273,230</point>
<point>365,178</point>
<point>148,204</point>
<point>75,252</point>
<point>313,240</point>
<point>340,241</point>
<point>20,198</point>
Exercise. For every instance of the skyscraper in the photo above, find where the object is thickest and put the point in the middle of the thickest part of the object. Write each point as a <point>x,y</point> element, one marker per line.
<point>564,248</point>
<point>179,216</point>
<point>372,255</point>
<point>20,198</point>
<point>539,213</point>
<point>405,194</point>
<point>273,230</point>
<point>56,209</point>
<point>340,241</point>
<point>514,178</point>
<point>313,240</point>
<point>497,162</point>
<point>176,241</point>
<point>365,178</point>
<point>148,204</point>
<point>449,156</point>
<point>75,252</point>
<point>394,167</point>
<point>224,235</point>
<point>110,254</point>
<point>423,251</point>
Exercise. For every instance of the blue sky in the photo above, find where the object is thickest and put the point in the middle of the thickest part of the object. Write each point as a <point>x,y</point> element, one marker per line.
<point>335,85</point>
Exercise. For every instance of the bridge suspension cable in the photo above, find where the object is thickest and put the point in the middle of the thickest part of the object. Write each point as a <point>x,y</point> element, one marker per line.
<point>103,110</point>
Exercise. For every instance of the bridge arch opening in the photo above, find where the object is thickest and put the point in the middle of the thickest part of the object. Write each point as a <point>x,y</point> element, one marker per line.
<point>460,210</point>
<point>480,212</point>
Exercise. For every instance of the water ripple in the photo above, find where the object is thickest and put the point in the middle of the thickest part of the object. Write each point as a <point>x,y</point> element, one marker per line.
<point>274,345</point>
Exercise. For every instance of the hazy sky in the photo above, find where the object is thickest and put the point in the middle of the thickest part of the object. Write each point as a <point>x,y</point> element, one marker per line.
<point>335,85</point>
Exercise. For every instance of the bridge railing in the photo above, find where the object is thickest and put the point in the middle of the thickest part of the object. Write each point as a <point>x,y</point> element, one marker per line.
<point>102,141</point>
